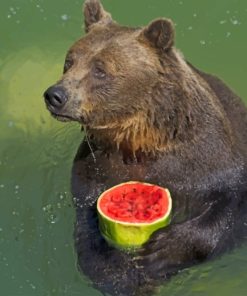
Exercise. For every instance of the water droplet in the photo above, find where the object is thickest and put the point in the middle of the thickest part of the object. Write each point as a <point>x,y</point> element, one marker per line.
<point>223,22</point>
<point>235,21</point>
<point>47,208</point>
<point>32,286</point>
<point>52,216</point>
<point>202,42</point>
<point>2,185</point>
<point>64,17</point>
<point>190,28</point>
<point>228,34</point>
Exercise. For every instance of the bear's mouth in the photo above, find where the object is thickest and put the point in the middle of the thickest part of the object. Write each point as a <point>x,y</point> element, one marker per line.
<point>62,117</point>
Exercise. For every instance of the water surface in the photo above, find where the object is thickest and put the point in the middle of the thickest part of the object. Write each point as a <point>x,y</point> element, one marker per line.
<point>36,152</point>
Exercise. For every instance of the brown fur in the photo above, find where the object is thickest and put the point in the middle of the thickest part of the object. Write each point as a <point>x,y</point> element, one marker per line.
<point>124,109</point>
<point>153,117</point>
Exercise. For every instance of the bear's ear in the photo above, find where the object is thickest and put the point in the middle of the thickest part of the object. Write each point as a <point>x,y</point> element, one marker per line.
<point>94,13</point>
<point>160,33</point>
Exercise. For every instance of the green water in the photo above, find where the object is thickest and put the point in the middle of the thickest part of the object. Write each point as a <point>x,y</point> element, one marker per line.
<point>36,152</point>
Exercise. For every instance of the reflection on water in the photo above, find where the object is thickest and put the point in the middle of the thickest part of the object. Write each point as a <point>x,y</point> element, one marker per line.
<point>36,152</point>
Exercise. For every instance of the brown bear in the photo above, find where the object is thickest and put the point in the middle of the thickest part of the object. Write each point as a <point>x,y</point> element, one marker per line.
<point>151,116</point>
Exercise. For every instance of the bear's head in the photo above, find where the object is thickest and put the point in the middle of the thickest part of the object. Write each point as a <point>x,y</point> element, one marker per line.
<point>127,86</point>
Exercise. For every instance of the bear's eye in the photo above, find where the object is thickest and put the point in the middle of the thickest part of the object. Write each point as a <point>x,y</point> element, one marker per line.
<point>99,73</point>
<point>67,65</point>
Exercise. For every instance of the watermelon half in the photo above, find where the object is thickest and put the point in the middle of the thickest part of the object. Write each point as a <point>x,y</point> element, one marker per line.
<point>130,212</point>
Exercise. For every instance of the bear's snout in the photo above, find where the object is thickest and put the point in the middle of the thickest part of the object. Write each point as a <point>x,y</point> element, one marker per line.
<point>55,97</point>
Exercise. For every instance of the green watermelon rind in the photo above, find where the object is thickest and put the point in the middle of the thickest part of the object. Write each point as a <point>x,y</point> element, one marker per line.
<point>130,235</point>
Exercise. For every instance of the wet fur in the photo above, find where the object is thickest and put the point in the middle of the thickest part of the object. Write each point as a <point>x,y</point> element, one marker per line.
<point>209,194</point>
<point>155,118</point>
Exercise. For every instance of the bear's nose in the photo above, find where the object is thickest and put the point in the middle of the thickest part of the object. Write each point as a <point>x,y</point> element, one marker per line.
<point>56,97</point>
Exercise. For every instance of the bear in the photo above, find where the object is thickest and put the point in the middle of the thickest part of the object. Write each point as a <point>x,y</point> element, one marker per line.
<point>149,115</point>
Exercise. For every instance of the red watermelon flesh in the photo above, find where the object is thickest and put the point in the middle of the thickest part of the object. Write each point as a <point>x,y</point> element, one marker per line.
<point>135,203</point>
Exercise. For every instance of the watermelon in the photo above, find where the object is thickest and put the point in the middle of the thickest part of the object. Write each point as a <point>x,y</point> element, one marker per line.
<point>130,212</point>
